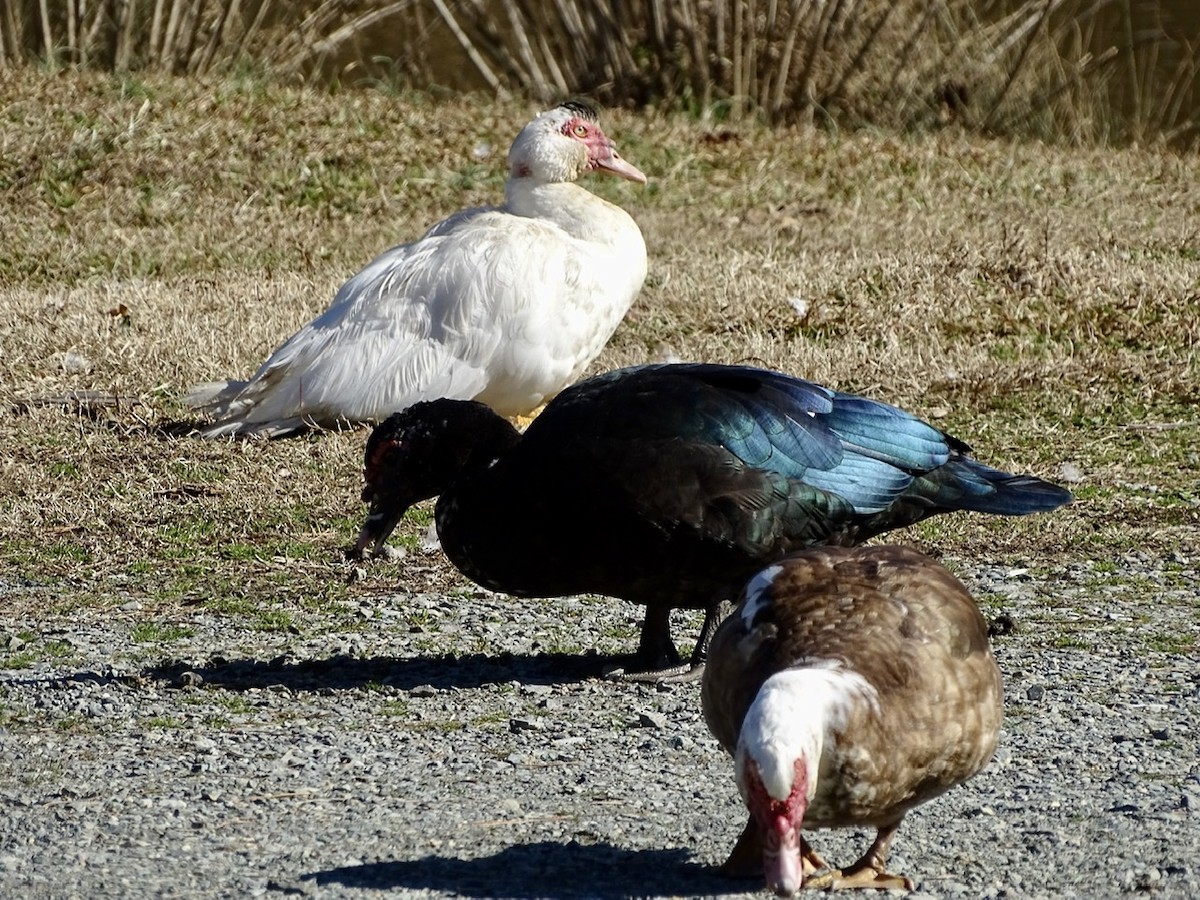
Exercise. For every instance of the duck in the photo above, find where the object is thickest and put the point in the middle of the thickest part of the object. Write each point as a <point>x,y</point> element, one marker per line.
<point>668,485</point>
<point>850,685</point>
<point>506,305</point>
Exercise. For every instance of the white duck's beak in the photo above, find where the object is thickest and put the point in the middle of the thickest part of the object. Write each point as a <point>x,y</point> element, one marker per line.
<point>613,164</point>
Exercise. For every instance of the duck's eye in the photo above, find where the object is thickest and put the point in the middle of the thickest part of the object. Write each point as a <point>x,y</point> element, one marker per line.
<point>580,130</point>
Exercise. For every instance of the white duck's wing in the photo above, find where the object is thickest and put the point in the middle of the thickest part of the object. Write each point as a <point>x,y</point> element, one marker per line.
<point>469,310</point>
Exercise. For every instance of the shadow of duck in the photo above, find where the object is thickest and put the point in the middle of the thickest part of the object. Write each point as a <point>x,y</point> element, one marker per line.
<point>541,869</point>
<point>443,672</point>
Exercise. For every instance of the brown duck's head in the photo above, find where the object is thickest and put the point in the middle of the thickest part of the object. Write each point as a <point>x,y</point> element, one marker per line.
<point>778,824</point>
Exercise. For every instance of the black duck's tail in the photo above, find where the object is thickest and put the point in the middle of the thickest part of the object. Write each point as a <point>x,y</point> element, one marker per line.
<point>966,483</point>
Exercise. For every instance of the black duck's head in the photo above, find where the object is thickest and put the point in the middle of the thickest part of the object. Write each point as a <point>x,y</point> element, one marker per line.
<point>419,453</point>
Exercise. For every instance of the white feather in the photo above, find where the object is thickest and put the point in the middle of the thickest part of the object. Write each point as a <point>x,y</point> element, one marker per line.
<point>506,305</point>
<point>754,591</point>
<point>796,712</point>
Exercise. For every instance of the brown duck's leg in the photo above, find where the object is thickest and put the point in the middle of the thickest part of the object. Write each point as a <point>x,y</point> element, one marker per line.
<point>745,860</point>
<point>871,870</point>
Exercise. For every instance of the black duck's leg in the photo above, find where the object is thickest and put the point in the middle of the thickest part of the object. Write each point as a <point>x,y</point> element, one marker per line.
<point>679,672</point>
<point>713,616</point>
<point>656,658</point>
<point>655,647</point>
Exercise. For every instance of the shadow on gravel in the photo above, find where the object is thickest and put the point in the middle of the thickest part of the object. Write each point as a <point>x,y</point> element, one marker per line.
<point>544,869</point>
<point>348,673</point>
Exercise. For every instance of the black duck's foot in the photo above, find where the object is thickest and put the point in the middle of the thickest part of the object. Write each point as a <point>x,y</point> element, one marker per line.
<point>657,660</point>
<point>656,653</point>
<point>385,552</point>
<point>681,673</point>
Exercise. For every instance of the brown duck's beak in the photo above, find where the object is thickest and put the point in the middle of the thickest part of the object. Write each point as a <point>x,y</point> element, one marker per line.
<point>782,866</point>
<point>613,164</point>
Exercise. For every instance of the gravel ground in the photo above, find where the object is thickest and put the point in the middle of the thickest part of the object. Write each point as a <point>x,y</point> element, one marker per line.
<point>449,747</point>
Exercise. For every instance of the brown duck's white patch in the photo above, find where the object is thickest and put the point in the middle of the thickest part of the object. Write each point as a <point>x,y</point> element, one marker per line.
<point>794,714</point>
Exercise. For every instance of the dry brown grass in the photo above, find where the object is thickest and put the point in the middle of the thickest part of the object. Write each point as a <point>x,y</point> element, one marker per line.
<point>1081,71</point>
<point>1042,303</point>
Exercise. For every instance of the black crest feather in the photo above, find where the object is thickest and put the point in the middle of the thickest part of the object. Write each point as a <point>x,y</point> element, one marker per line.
<point>582,107</point>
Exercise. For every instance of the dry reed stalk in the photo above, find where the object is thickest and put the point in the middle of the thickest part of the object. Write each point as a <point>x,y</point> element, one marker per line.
<point>100,18</point>
<point>906,50</point>
<point>1173,99</point>
<point>560,78</point>
<point>329,45</point>
<point>1131,62</point>
<point>250,32</point>
<point>189,28</point>
<point>468,47</point>
<point>167,50</point>
<point>10,37</point>
<point>125,21</point>
<point>534,77</point>
<point>47,36</point>
<point>738,84</point>
<point>750,54</point>
<point>820,32</point>
<point>721,37</point>
<point>156,26</point>
<point>692,24</point>
<point>1031,30</point>
<point>216,36</point>
<point>72,37</point>
<point>789,46</point>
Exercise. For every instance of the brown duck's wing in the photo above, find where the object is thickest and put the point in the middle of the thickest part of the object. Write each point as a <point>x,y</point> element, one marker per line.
<point>735,669</point>
<point>887,612</point>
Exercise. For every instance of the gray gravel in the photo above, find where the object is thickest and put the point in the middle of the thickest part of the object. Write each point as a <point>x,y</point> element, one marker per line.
<point>448,747</point>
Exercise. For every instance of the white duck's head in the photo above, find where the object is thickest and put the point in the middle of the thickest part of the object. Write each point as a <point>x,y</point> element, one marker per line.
<point>561,144</point>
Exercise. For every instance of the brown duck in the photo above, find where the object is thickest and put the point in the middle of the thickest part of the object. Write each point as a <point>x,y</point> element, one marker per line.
<point>851,685</point>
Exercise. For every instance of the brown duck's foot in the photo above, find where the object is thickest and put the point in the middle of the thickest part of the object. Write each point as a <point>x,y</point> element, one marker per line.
<point>870,871</point>
<point>746,860</point>
<point>812,860</point>
<point>865,878</point>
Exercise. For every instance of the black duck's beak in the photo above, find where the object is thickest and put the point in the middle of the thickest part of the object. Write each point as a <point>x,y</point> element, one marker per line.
<point>383,515</point>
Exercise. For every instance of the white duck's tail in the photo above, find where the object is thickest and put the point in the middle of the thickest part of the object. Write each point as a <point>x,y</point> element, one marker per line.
<point>239,428</point>
<point>212,395</point>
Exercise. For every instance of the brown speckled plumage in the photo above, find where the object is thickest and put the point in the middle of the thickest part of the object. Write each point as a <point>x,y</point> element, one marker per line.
<point>912,631</point>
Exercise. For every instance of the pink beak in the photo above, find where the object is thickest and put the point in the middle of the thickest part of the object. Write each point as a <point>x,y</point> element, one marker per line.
<point>614,165</point>
<point>781,859</point>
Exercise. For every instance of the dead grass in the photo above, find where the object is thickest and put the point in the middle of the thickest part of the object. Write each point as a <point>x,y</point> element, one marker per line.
<point>1042,303</point>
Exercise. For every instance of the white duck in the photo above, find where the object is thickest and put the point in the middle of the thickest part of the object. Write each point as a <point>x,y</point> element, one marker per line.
<point>850,686</point>
<point>506,305</point>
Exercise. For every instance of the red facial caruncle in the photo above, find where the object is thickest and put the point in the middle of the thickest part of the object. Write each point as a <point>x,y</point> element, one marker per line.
<point>374,465</point>
<point>779,824</point>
